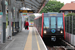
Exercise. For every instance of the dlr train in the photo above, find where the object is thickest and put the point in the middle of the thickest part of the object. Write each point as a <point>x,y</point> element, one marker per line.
<point>51,25</point>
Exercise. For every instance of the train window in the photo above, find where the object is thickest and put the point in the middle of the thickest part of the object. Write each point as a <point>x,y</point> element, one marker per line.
<point>53,22</point>
<point>60,22</point>
<point>46,22</point>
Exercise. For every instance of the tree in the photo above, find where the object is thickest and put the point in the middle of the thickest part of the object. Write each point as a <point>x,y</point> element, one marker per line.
<point>52,6</point>
<point>32,18</point>
<point>70,14</point>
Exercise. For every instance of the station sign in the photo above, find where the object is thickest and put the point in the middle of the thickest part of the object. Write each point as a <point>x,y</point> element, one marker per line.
<point>1,26</point>
<point>53,14</point>
<point>26,11</point>
<point>24,14</point>
<point>6,3</point>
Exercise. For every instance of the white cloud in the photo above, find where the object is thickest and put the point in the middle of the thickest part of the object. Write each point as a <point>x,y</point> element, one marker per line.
<point>65,1</point>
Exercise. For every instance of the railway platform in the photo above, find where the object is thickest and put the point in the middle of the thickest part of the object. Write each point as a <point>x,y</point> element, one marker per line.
<point>26,40</point>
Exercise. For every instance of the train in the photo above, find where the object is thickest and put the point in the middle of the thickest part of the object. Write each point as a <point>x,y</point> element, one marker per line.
<point>51,25</point>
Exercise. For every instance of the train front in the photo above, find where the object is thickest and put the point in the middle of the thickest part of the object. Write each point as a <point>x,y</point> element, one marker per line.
<point>53,25</point>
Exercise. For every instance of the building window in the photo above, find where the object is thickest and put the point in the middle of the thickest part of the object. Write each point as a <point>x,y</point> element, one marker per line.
<point>66,12</point>
<point>69,11</point>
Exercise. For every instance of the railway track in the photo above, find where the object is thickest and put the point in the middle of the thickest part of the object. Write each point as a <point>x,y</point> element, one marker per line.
<point>58,45</point>
<point>55,48</point>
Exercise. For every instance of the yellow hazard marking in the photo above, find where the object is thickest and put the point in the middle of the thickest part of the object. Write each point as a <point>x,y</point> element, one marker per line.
<point>37,40</point>
<point>28,45</point>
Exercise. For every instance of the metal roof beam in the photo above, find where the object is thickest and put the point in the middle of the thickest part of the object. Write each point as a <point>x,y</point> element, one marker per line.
<point>38,2</point>
<point>35,2</point>
<point>43,4</point>
<point>31,3</point>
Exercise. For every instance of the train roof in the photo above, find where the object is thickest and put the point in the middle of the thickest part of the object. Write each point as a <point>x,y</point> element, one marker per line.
<point>51,14</point>
<point>38,17</point>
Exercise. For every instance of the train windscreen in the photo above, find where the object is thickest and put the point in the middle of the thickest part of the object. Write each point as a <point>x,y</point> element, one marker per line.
<point>53,22</point>
<point>60,22</point>
<point>46,22</point>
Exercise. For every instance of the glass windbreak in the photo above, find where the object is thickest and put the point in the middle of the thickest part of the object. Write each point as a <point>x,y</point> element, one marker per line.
<point>60,22</point>
<point>53,22</point>
<point>46,22</point>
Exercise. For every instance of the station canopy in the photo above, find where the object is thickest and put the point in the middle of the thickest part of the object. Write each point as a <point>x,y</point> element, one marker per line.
<point>36,5</point>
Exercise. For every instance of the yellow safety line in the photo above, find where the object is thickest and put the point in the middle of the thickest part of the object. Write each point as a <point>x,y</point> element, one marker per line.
<point>37,40</point>
<point>28,45</point>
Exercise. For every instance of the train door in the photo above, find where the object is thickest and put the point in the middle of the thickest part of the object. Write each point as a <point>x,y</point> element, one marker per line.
<point>53,25</point>
<point>53,28</point>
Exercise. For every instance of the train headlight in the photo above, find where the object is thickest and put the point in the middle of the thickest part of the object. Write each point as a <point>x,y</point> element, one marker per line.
<point>45,31</point>
<point>61,32</point>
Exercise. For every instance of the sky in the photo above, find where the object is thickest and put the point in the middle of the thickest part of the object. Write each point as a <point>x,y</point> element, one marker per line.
<point>62,1</point>
<point>37,14</point>
<point>65,1</point>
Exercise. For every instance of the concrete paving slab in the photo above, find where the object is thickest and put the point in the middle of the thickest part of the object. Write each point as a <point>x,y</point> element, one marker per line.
<point>34,42</point>
<point>40,41</point>
<point>26,38</point>
<point>19,42</point>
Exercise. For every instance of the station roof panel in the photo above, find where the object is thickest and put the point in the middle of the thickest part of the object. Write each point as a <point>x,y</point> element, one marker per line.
<point>34,4</point>
<point>68,6</point>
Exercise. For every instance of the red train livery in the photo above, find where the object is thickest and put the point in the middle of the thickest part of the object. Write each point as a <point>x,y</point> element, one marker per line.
<point>51,25</point>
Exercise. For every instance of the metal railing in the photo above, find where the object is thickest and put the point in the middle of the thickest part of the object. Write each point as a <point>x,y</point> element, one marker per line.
<point>70,24</point>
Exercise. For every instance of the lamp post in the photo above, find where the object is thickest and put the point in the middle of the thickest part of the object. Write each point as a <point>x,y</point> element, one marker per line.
<point>4,21</point>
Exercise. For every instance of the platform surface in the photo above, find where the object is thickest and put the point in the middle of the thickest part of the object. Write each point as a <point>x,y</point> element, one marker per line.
<point>27,40</point>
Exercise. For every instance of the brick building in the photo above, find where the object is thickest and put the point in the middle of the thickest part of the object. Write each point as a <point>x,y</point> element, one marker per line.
<point>68,8</point>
